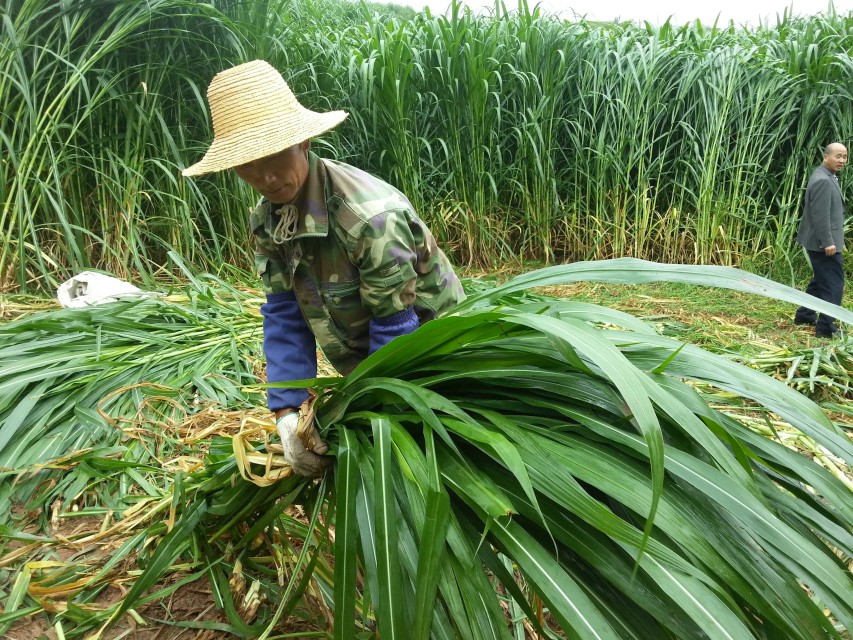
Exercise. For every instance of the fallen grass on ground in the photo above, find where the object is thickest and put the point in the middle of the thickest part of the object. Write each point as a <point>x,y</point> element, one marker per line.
<point>73,549</point>
<point>80,558</point>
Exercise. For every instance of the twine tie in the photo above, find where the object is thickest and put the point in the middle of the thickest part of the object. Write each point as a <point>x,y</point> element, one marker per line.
<point>286,227</point>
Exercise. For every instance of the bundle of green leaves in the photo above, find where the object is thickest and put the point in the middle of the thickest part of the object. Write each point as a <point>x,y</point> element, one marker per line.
<point>527,451</point>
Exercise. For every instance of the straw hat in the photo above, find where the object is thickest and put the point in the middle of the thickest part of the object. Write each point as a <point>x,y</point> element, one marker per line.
<point>255,114</point>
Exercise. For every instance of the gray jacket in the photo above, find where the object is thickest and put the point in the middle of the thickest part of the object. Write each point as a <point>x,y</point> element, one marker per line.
<point>822,224</point>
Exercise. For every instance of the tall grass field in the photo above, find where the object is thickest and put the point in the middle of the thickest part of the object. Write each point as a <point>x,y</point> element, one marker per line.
<point>517,135</point>
<point>530,466</point>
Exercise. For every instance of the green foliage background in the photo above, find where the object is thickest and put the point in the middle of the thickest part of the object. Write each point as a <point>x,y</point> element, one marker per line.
<point>517,135</point>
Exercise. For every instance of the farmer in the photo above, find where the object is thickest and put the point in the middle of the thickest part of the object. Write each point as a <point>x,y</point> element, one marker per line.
<point>343,257</point>
<point>822,234</point>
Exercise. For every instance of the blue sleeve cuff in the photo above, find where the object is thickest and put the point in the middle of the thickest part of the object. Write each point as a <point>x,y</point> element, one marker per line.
<point>289,347</point>
<point>384,330</point>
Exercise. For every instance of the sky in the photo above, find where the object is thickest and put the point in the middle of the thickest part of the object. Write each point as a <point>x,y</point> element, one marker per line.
<point>742,12</point>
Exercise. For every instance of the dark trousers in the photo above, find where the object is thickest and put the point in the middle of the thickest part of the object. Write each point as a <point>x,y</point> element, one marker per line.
<point>826,284</point>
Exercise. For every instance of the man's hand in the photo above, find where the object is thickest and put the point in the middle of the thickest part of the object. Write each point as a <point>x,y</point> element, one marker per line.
<point>830,250</point>
<point>303,448</point>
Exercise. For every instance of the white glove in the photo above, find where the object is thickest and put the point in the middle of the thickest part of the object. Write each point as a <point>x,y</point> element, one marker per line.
<point>302,451</point>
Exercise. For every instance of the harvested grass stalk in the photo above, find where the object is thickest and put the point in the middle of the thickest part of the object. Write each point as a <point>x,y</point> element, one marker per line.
<point>824,373</point>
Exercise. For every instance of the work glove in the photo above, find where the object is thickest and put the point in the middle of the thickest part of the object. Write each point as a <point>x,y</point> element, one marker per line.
<point>303,448</point>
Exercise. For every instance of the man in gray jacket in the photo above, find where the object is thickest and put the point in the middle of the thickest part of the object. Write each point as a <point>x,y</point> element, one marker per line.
<point>822,234</point>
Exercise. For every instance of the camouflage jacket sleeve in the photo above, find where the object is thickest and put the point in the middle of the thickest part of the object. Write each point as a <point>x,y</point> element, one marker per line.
<point>387,254</point>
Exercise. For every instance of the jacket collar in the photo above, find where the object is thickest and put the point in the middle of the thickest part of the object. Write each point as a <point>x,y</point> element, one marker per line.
<point>828,172</point>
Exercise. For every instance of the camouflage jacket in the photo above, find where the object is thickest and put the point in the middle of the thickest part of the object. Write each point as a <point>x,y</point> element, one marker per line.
<point>353,249</point>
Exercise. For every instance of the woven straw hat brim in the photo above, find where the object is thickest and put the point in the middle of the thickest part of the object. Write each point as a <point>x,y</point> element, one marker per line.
<point>244,145</point>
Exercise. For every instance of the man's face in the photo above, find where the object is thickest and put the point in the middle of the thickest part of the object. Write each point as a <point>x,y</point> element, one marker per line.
<point>835,158</point>
<point>278,177</point>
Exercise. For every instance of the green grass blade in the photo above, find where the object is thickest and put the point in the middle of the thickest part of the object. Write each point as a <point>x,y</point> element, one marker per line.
<point>430,557</point>
<point>634,271</point>
<point>346,542</point>
<point>390,604</point>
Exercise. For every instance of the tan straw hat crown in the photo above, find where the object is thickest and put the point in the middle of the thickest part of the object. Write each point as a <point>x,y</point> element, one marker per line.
<point>255,114</point>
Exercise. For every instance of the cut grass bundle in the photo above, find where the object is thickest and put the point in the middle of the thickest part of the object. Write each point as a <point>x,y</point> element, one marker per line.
<point>550,440</point>
<point>823,373</point>
<point>562,440</point>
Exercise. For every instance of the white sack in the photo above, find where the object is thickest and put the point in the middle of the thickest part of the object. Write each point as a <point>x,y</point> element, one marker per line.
<point>88,288</point>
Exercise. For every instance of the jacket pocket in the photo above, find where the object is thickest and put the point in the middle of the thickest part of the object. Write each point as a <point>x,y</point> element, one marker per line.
<point>339,293</point>
<point>346,310</point>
